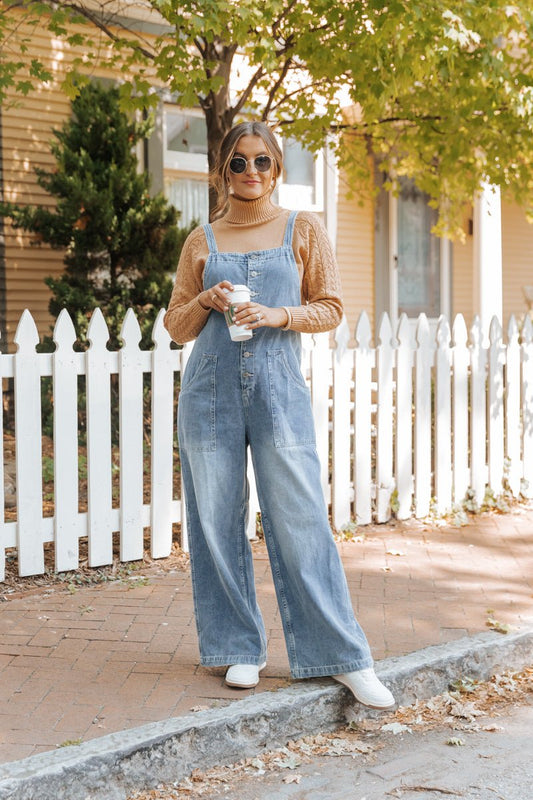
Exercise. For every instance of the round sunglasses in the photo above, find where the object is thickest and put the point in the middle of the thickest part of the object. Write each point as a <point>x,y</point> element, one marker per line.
<point>238,164</point>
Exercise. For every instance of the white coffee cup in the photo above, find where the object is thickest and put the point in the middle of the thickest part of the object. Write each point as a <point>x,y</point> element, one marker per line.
<point>240,294</point>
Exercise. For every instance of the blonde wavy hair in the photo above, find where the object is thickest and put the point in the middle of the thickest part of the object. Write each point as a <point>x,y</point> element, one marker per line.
<point>219,175</point>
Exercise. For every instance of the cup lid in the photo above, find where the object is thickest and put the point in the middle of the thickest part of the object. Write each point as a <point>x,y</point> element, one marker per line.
<point>239,287</point>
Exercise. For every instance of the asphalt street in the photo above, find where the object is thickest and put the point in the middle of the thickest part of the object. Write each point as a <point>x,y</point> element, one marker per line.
<point>494,765</point>
<point>489,758</point>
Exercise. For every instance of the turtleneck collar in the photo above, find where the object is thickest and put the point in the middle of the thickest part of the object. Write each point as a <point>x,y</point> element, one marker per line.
<point>248,212</point>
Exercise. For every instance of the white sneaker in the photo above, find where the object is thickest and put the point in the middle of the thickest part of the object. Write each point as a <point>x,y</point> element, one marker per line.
<point>244,676</point>
<point>367,688</point>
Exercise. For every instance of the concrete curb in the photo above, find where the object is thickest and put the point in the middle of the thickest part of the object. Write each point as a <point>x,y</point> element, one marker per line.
<point>113,766</point>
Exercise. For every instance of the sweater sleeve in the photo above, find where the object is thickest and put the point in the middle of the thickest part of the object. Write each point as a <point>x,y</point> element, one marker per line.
<point>185,317</point>
<point>321,308</point>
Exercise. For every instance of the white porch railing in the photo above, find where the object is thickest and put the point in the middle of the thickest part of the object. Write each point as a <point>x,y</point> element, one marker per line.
<point>412,418</point>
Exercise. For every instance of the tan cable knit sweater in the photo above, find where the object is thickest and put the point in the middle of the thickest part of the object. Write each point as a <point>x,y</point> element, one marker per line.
<point>251,225</point>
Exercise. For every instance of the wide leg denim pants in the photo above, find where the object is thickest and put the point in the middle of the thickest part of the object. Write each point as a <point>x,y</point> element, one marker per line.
<point>236,395</point>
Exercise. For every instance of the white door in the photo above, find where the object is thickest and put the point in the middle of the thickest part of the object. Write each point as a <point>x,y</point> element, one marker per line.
<point>419,261</point>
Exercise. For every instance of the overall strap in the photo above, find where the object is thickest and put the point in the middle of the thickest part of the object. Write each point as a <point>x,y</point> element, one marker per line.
<point>287,239</point>
<point>211,242</point>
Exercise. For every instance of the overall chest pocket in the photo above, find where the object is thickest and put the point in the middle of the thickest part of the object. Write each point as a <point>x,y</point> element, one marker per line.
<point>197,405</point>
<point>290,402</point>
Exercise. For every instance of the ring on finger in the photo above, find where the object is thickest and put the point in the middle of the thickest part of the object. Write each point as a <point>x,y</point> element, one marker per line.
<point>213,297</point>
<point>259,316</point>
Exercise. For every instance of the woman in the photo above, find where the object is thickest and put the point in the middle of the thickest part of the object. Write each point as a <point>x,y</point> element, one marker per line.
<point>252,393</point>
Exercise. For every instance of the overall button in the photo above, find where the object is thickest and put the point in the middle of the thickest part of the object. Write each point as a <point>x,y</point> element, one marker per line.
<point>247,354</point>
<point>247,374</point>
<point>254,273</point>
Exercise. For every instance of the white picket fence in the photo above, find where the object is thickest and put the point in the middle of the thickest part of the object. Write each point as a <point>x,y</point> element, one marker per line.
<point>418,416</point>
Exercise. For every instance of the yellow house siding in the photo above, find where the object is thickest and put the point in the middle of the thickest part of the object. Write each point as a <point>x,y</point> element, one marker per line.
<point>463,275</point>
<point>355,255</point>
<point>27,130</point>
<point>517,235</point>
<point>26,135</point>
<point>517,259</point>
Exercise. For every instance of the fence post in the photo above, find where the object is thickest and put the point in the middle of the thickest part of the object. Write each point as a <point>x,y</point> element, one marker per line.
<point>362,462</point>
<point>423,358</point>
<point>460,362</point>
<point>512,407</point>
<point>342,426</point>
<point>443,419</point>
<point>131,440</point>
<point>478,412</point>
<point>66,468</point>
<point>495,406</point>
<point>384,427</point>
<point>28,448</point>
<point>404,418</point>
<point>99,487</point>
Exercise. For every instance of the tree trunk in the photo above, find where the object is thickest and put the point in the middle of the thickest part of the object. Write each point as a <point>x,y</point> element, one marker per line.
<point>219,113</point>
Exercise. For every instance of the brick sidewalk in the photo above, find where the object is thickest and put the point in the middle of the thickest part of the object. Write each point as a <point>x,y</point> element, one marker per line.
<point>115,656</point>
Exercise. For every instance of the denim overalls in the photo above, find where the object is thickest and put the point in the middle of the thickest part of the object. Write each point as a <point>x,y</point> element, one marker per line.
<point>236,394</point>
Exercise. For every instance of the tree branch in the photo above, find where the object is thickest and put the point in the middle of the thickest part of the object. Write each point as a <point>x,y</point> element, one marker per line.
<point>284,13</point>
<point>201,47</point>
<point>252,83</point>
<point>275,88</point>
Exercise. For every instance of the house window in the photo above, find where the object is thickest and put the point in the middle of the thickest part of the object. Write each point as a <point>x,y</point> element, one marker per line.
<point>185,135</point>
<point>191,197</point>
<point>418,254</point>
<point>301,186</point>
<point>185,148</point>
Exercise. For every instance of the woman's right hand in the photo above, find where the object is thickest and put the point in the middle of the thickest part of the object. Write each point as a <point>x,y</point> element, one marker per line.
<point>216,297</point>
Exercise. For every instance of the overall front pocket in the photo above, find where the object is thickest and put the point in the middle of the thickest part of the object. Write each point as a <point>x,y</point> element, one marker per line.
<point>290,402</point>
<point>197,405</point>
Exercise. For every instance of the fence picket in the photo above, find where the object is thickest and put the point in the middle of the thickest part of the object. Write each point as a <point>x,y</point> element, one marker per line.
<point>131,440</point>
<point>2,480</point>
<point>384,417</point>
<point>99,487</point>
<point>65,377</point>
<point>320,383</point>
<point>478,414</point>
<point>404,424</point>
<point>253,500</point>
<point>527,406</point>
<point>422,438</point>
<point>460,438</point>
<point>341,434</point>
<point>512,407</point>
<point>163,363</point>
<point>28,448</point>
<point>184,354</point>
<point>364,363</point>
<point>443,419</point>
<point>495,406</point>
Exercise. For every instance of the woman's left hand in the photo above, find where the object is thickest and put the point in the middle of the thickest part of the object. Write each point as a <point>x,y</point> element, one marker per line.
<point>254,315</point>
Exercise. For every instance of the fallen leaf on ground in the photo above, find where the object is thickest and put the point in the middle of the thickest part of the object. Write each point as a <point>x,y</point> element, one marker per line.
<point>495,625</point>
<point>396,727</point>
<point>292,779</point>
